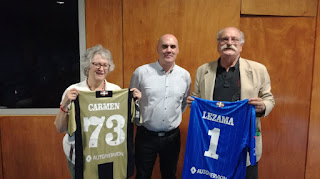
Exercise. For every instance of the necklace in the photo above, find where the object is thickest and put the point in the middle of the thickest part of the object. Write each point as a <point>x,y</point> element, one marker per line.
<point>104,84</point>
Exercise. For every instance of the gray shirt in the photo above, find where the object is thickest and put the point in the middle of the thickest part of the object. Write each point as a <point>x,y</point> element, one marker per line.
<point>163,95</point>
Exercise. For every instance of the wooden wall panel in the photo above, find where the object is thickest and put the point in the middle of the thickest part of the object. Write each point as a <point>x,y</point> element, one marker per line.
<point>313,154</point>
<point>285,46</point>
<point>194,23</point>
<point>104,26</point>
<point>279,7</point>
<point>32,148</point>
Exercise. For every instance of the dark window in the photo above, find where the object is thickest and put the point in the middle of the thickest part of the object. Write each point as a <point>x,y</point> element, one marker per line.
<point>39,52</point>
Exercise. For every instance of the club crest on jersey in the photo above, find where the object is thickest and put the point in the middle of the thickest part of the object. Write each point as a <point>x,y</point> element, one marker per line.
<point>103,93</point>
<point>220,104</point>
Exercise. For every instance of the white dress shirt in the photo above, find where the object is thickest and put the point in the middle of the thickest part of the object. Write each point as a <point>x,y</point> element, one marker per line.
<point>163,95</point>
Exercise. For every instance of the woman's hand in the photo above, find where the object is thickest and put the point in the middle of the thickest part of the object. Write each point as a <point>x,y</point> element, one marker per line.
<point>70,96</point>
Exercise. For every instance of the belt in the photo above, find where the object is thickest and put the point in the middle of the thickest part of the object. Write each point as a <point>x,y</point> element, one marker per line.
<point>159,134</point>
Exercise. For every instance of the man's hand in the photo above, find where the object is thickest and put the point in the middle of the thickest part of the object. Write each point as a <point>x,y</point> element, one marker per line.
<point>189,100</point>
<point>259,105</point>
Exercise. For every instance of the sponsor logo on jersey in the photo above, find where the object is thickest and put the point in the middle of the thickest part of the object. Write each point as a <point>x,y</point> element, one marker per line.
<point>193,170</point>
<point>201,171</point>
<point>104,156</point>
<point>88,158</point>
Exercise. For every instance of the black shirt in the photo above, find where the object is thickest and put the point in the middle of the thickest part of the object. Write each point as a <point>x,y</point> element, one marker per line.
<point>227,84</point>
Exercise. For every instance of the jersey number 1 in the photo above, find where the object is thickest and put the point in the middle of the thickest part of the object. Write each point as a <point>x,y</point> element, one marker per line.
<point>212,152</point>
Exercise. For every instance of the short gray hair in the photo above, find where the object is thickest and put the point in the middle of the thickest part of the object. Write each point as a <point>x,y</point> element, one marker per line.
<point>242,40</point>
<point>91,52</point>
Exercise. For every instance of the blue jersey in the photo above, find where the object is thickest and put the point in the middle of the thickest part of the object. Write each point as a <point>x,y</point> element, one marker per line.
<point>219,136</point>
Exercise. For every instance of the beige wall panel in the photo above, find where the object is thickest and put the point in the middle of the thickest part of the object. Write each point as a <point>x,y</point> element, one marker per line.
<point>194,23</point>
<point>280,7</point>
<point>32,148</point>
<point>104,26</point>
<point>313,157</point>
<point>286,47</point>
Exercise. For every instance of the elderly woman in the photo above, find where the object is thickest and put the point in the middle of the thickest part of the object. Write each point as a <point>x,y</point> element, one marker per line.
<point>97,64</point>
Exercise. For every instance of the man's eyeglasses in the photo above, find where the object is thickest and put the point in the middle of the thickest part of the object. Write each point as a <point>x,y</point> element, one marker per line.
<point>234,40</point>
<point>99,65</point>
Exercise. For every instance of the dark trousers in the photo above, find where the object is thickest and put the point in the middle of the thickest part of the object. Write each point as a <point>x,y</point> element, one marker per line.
<point>148,145</point>
<point>252,172</point>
